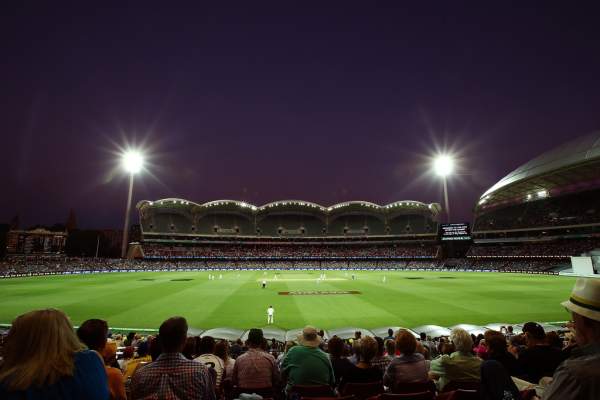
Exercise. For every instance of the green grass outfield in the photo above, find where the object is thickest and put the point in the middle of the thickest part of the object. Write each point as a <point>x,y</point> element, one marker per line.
<point>145,299</point>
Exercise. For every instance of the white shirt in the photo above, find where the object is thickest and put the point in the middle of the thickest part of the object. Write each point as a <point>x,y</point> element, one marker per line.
<point>270,311</point>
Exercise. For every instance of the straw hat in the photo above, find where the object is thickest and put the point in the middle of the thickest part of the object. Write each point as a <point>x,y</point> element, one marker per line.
<point>585,298</point>
<point>309,337</point>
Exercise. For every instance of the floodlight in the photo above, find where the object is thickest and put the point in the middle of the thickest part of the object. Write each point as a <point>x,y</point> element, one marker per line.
<point>133,161</point>
<point>443,165</point>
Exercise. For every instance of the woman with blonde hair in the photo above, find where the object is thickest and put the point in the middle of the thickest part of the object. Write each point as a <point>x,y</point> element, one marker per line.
<point>43,359</point>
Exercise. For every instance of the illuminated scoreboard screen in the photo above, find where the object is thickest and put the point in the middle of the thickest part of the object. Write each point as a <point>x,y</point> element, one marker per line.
<point>455,232</point>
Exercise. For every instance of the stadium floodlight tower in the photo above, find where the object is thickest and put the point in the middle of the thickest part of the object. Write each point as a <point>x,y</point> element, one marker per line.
<point>133,163</point>
<point>443,166</point>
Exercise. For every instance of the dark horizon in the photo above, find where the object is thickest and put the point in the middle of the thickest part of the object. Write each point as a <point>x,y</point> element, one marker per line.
<point>323,103</point>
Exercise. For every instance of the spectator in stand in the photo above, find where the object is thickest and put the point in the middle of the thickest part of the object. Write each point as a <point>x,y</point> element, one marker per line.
<point>237,348</point>
<point>538,359</point>
<point>116,381</point>
<point>222,351</point>
<point>481,350</point>
<point>497,350</point>
<point>255,369</point>
<point>93,334</point>
<point>288,345</point>
<point>340,364</point>
<point>428,343</point>
<point>380,360</point>
<point>206,349</point>
<point>363,371</point>
<point>190,350</point>
<point>409,367</point>
<point>306,364</point>
<point>172,376</point>
<point>578,377</point>
<point>390,348</point>
<point>516,344</point>
<point>43,359</point>
<point>459,366</point>
<point>390,335</point>
<point>133,363</point>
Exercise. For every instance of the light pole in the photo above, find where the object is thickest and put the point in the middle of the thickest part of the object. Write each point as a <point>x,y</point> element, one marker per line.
<point>133,162</point>
<point>443,165</point>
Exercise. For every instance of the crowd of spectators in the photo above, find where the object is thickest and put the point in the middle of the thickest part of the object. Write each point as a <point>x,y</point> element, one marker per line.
<point>319,251</point>
<point>558,248</point>
<point>576,209</point>
<point>44,357</point>
<point>19,266</point>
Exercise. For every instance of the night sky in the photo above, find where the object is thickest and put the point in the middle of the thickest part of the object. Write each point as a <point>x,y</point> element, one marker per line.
<point>264,101</point>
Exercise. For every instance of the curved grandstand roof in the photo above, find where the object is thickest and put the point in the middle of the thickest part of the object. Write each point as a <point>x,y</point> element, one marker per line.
<point>574,161</point>
<point>293,204</point>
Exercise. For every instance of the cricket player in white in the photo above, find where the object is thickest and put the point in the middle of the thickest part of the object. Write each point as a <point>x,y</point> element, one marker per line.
<point>270,312</point>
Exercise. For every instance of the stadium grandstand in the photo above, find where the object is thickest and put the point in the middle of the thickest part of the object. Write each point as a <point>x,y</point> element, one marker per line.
<point>288,229</point>
<point>545,211</point>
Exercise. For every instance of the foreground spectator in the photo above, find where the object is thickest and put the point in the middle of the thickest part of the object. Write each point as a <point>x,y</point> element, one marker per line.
<point>93,333</point>
<point>578,377</point>
<point>340,364</point>
<point>307,364</point>
<point>142,357</point>
<point>461,365</point>
<point>539,359</point>
<point>43,359</point>
<point>172,376</point>
<point>410,366</point>
<point>381,360</point>
<point>206,349</point>
<point>255,369</point>
<point>363,371</point>
<point>498,351</point>
<point>222,351</point>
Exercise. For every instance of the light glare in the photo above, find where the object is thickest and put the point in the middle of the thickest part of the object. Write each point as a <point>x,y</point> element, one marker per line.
<point>133,161</point>
<point>443,165</point>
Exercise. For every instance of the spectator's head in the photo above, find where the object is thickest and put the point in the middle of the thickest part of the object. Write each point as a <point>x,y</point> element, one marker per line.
<point>462,340</point>
<point>516,344</point>
<point>390,347</point>
<point>496,342</point>
<point>128,352</point>
<point>288,345</point>
<point>255,338</point>
<point>93,334</point>
<point>207,345</point>
<point>534,333</point>
<point>109,353</point>
<point>554,340</point>
<point>309,337</point>
<point>405,342</point>
<point>38,350</point>
<point>509,329</point>
<point>173,334</point>
<point>583,304</point>
<point>357,335</point>
<point>190,348</point>
<point>368,349</point>
<point>380,347</point>
<point>222,350</point>
<point>335,346</point>
<point>390,332</point>
<point>143,349</point>
<point>155,347</point>
<point>423,336</point>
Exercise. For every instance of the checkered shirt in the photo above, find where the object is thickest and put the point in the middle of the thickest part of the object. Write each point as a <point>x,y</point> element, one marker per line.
<point>172,377</point>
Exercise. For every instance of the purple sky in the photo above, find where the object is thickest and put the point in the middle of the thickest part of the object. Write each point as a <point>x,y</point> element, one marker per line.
<point>270,100</point>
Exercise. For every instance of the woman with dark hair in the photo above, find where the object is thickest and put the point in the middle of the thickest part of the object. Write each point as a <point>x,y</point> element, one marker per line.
<point>498,351</point>
<point>222,351</point>
<point>363,371</point>
<point>340,364</point>
<point>44,359</point>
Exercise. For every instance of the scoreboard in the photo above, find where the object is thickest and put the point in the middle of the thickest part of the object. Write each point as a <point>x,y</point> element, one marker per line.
<point>455,232</point>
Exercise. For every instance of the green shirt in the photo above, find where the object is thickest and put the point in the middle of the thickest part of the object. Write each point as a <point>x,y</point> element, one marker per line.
<point>305,365</point>
<point>456,367</point>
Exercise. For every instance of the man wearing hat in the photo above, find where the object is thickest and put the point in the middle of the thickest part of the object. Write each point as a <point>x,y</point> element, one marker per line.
<point>578,377</point>
<point>307,364</point>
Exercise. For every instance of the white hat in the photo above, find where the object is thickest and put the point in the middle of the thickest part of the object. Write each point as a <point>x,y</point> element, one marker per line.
<point>585,298</point>
<point>309,337</point>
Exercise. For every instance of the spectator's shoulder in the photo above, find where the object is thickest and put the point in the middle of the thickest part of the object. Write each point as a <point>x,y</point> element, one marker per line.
<point>88,357</point>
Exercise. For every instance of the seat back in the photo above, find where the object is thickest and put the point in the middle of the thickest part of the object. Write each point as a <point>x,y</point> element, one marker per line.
<point>311,391</point>
<point>414,387</point>
<point>426,395</point>
<point>363,390</point>
<point>464,385</point>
